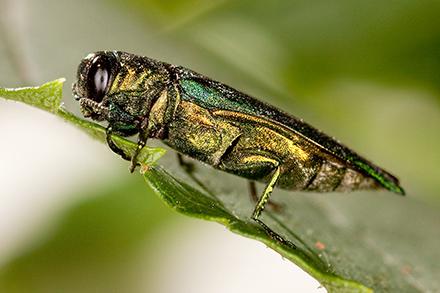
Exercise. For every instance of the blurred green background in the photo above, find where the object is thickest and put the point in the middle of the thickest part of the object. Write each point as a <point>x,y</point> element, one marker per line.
<point>367,72</point>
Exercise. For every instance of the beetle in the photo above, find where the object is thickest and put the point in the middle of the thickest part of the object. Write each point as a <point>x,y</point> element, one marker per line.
<point>220,126</point>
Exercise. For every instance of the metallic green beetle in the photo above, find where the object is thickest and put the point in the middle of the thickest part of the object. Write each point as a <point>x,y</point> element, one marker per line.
<point>216,124</point>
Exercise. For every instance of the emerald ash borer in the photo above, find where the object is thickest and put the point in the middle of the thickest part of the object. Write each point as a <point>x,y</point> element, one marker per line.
<point>220,126</point>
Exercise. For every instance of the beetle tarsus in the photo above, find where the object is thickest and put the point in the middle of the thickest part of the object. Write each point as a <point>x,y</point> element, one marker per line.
<point>133,165</point>
<point>275,236</point>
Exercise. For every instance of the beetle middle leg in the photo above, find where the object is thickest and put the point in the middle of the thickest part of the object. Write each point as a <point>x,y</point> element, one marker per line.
<point>188,167</point>
<point>142,141</point>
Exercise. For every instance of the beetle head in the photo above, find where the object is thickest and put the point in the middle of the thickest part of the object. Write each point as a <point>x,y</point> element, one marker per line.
<point>95,76</point>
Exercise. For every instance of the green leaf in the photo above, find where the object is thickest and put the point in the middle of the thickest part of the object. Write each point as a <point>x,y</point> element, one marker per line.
<point>192,202</point>
<point>355,243</point>
<point>48,97</point>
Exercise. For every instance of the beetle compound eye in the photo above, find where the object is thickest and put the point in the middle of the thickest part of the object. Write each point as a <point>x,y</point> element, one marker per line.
<point>98,78</point>
<point>101,81</point>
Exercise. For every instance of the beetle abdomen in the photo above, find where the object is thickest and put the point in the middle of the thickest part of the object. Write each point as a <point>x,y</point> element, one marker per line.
<point>332,176</point>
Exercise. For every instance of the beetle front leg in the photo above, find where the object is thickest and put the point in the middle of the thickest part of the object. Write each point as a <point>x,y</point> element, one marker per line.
<point>113,146</point>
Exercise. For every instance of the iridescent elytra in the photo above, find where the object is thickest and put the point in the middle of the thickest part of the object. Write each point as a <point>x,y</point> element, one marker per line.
<point>211,122</point>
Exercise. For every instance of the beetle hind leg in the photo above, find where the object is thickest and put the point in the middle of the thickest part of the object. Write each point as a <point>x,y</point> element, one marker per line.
<point>261,203</point>
<point>253,191</point>
<point>253,194</point>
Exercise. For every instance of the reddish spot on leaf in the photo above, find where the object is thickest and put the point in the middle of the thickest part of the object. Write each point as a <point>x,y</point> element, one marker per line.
<point>319,245</point>
<point>406,269</point>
